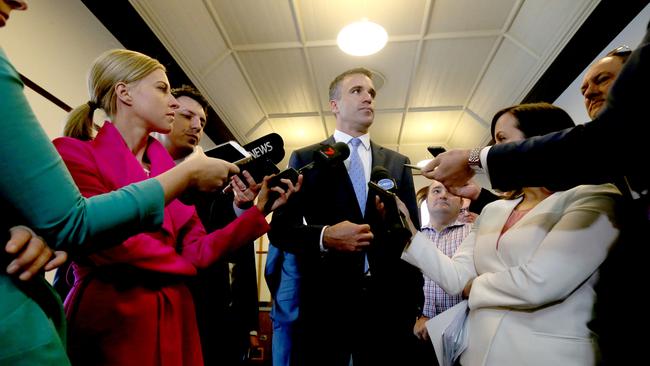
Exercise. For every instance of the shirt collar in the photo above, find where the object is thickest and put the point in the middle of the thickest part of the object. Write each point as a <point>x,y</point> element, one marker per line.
<point>453,224</point>
<point>340,136</point>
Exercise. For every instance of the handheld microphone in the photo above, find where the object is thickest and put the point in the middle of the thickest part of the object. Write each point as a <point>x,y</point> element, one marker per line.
<point>267,151</point>
<point>325,156</point>
<point>270,146</point>
<point>383,185</point>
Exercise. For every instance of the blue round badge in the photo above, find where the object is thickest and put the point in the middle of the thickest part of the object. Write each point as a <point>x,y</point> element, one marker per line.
<point>386,184</point>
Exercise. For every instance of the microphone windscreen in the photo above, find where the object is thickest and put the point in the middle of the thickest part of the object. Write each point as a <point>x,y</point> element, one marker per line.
<point>332,154</point>
<point>270,146</point>
<point>383,178</point>
<point>343,149</point>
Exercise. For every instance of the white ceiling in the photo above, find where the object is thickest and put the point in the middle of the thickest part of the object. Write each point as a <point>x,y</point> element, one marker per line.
<point>265,66</point>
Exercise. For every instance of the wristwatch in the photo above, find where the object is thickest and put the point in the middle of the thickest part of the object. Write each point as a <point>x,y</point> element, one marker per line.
<point>474,160</point>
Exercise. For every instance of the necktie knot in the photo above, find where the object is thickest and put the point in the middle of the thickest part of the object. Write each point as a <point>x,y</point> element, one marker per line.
<point>355,142</point>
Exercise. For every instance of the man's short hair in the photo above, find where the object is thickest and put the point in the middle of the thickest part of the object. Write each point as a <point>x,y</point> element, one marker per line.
<point>335,92</point>
<point>191,92</point>
<point>622,52</point>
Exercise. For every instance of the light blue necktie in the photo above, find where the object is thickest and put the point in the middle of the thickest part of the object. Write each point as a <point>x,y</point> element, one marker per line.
<point>358,178</point>
<point>357,174</point>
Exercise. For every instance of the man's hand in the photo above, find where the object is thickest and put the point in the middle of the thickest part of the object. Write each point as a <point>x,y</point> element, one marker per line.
<point>281,196</point>
<point>244,195</point>
<point>420,328</point>
<point>32,254</point>
<point>347,237</point>
<point>450,168</point>
<point>470,190</point>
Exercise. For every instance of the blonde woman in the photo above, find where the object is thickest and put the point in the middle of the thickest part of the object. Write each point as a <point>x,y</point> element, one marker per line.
<point>129,304</point>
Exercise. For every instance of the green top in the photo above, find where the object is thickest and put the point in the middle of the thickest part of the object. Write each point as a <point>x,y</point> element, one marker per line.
<point>37,190</point>
<point>35,182</point>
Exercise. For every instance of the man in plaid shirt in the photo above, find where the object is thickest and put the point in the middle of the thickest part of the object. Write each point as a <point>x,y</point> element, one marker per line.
<point>447,232</point>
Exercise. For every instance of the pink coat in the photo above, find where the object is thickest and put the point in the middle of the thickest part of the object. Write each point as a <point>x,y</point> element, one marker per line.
<point>129,304</point>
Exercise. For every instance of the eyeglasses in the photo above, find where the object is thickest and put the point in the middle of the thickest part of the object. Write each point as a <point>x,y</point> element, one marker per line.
<point>623,50</point>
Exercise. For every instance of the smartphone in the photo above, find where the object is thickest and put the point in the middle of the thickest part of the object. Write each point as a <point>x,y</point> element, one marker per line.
<point>290,173</point>
<point>230,151</point>
<point>436,150</point>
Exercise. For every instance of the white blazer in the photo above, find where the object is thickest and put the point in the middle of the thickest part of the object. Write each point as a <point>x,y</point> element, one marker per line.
<point>533,296</point>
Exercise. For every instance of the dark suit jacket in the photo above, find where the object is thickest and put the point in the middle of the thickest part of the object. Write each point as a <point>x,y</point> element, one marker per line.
<point>332,281</point>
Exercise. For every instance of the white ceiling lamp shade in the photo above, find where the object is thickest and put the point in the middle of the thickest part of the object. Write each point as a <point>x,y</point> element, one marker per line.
<point>362,38</point>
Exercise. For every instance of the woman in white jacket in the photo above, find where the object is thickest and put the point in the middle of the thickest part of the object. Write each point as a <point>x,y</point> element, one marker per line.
<point>529,265</point>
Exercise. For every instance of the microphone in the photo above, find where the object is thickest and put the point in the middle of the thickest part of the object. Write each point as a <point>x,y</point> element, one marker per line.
<point>266,151</point>
<point>325,156</point>
<point>383,185</point>
<point>270,146</point>
<point>381,176</point>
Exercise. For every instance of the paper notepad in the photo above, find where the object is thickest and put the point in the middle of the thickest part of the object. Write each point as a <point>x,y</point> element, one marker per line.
<point>448,333</point>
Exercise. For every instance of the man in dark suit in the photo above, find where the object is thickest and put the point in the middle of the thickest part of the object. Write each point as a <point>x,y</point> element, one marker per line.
<point>608,148</point>
<point>357,300</point>
<point>225,294</point>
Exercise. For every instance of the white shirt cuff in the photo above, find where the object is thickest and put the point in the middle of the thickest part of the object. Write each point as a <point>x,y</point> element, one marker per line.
<point>322,233</point>
<point>483,156</point>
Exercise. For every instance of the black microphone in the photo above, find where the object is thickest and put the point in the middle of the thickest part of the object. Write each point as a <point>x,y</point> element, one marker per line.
<point>325,156</point>
<point>270,146</point>
<point>267,151</point>
<point>383,185</point>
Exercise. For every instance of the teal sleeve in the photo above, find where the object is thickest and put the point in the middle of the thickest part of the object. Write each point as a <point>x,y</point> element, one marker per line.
<point>35,183</point>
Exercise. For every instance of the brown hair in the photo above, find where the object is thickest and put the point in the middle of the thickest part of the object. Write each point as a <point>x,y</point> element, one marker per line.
<point>335,92</point>
<point>534,119</point>
<point>191,92</point>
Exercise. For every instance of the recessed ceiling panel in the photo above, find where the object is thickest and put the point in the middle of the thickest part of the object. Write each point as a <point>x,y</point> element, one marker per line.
<point>186,29</point>
<point>448,70</point>
<point>255,22</point>
<point>263,130</point>
<point>385,128</point>
<point>299,131</point>
<point>323,19</point>
<point>540,24</point>
<point>231,97</point>
<point>426,127</point>
<point>416,152</point>
<point>469,15</point>
<point>509,73</point>
<point>281,79</point>
<point>469,133</point>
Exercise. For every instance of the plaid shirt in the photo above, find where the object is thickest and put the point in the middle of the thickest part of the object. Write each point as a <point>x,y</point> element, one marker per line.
<point>436,300</point>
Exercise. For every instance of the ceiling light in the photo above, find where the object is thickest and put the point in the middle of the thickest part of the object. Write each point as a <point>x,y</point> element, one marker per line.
<point>362,38</point>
